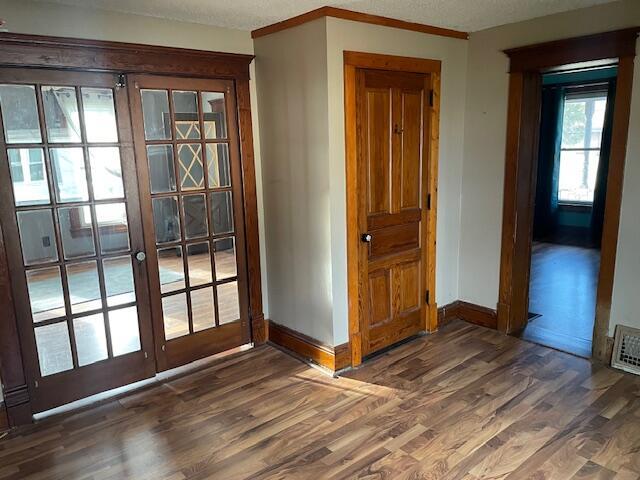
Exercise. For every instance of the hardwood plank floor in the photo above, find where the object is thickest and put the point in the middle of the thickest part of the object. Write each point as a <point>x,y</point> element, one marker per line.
<point>562,292</point>
<point>464,403</point>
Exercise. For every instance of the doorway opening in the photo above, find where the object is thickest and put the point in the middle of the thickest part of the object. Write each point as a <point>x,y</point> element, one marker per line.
<point>128,217</point>
<point>573,159</point>
<point>576,184</point>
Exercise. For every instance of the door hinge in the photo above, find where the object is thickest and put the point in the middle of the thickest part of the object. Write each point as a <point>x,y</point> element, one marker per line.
<point>429,201</point>
<point>431,98</point>
<point>426,297</point>
<point>121,82</point>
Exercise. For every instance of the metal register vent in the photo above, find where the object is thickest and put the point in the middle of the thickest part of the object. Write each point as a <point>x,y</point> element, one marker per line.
<point>626,350</point>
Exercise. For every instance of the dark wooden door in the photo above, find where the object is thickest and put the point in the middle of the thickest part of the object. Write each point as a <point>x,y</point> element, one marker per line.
<point>191,186</point>
<point>71,220</point>
<point>391,125</point>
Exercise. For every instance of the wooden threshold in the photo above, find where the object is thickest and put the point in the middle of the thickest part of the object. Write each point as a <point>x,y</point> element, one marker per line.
<point>310,349</point>
<point>357,17</point>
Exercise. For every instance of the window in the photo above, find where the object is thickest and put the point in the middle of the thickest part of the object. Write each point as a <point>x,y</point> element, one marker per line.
<point>36,165</point>
<point>582,125</point>
<point>15,163</point>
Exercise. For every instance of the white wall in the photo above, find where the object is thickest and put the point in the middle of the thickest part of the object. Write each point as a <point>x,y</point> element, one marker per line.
<point>484,154</point>
<point>291,68</point>
<point>59,20</point>
<point>301,93</point>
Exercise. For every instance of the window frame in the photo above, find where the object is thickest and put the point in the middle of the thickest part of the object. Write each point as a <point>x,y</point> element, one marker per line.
<point>582,92</point>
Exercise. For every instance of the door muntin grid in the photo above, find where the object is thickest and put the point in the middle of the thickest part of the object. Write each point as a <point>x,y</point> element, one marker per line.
<point>71,211</point>
<point>192,201</point>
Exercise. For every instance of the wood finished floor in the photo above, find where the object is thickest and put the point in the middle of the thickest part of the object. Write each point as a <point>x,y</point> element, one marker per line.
<point>465,403</point>
<point>562,291</point>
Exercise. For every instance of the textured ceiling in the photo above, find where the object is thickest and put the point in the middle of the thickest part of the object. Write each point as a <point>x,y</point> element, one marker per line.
<point>466,15</point>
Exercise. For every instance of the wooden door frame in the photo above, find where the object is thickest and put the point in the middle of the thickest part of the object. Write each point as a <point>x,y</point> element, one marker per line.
<point>352,62</point>
<point>20,50</point>
<point>527,64</point>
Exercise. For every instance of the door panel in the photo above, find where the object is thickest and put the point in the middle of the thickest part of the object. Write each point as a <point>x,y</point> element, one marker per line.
<point>190,179</point>
<point>394,239</point>
<point>70,214</point>
<point>412,107</point>
<point>379,297</point>
<point>391,128</point>
<point>378,128</point>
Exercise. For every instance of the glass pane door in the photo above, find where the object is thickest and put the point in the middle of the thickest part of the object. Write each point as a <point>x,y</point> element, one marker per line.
<point>196,237</point>
<point>72,219</point>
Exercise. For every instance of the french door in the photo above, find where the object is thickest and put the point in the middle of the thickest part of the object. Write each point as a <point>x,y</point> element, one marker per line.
<point>191,187</point>
<point>121,210</point>
<point>72,225</point>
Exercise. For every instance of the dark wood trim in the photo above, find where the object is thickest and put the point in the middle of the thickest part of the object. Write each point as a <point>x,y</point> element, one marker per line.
<point>527,66</point>
<point>356,17</point>
<point>448,312</point>
<point>11,367</point>
<point>18,404</point>
<point>519,186</point>
<point>588,48</point>
<point>477,314</point>
<point>250,198</point>
<point>94,55</point>
<point>613,205</point>
<point>353,61</point>
<point>4,419</point>
<point>469,312</point>
<point>309,349</point>
<point>377,61</point>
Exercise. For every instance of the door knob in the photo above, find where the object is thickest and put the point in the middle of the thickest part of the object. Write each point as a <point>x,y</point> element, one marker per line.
<point>366,237</point>
<point>141,257</point>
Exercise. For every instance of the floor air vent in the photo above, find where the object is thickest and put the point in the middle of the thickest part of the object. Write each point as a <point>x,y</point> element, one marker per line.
<point>626,350</point>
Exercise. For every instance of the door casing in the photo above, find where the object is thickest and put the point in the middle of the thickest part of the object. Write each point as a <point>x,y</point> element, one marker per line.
<point>527,64</point>
<point>352,62</point>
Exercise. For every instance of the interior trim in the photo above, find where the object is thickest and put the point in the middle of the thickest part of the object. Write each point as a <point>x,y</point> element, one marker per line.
<point>356,17</point>
<point>339,357</point>
<point>558,53</point>
<point>527,66</point>
<point>309,349</point>
<point>24,50</point>
<point>469,312</point>
<point>4,419</point>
